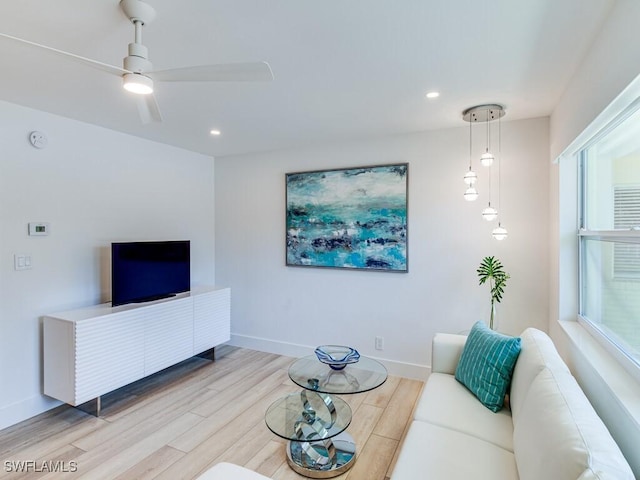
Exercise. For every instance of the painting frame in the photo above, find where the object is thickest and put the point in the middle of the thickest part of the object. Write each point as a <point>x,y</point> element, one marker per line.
<point>353,218</point>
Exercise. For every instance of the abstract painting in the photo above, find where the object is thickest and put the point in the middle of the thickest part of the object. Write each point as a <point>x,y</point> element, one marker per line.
<point>348,218</point>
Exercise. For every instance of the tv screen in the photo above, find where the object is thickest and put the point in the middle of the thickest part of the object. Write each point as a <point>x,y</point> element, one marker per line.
<point>145,271</point>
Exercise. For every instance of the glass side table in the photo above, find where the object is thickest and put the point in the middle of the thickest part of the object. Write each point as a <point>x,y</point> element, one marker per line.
<point>314,420</point>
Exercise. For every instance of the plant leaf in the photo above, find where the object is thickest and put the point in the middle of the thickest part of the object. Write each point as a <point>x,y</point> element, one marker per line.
<point>491,269</point>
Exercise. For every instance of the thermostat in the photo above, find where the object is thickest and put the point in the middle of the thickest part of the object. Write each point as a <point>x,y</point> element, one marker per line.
<point>38,228</point>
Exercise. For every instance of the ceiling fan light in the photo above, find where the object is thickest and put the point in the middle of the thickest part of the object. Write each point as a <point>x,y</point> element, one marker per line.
<point>137,83</point>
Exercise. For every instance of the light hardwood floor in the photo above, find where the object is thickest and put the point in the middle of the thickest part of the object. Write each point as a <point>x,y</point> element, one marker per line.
<point>177,423</point>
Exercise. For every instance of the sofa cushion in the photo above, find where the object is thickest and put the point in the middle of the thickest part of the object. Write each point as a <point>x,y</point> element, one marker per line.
<point>559,435</point>
<point>486,364</point>
<point>537,352</point>
<point>433,452</point>
<point>447,403</point>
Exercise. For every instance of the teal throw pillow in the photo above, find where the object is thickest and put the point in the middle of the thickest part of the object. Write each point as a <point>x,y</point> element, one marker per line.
<point>486,364</point>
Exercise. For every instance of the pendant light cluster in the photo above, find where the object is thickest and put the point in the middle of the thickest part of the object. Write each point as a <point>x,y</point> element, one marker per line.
<point>485,114</point>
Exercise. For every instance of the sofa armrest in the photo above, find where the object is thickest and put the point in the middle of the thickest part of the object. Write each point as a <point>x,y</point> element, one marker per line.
<point>446,351</point>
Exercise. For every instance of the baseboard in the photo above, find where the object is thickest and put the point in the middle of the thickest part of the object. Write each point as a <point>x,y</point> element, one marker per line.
<point>399,369</point>
<point>25,409</point>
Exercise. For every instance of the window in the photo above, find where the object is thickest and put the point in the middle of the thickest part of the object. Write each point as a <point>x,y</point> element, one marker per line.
<point>609,235</point>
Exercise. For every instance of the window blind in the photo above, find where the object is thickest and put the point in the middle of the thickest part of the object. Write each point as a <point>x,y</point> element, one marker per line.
<point>626,215</point>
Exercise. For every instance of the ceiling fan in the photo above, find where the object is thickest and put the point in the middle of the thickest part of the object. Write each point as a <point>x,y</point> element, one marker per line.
<point>137,72</point>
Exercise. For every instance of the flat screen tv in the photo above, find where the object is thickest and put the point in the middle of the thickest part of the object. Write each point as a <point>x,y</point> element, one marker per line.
<point>145,271</point>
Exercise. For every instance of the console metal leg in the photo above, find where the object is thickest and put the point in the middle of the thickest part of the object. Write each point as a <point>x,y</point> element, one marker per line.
<point>208,354</point>
<point>92,407</point>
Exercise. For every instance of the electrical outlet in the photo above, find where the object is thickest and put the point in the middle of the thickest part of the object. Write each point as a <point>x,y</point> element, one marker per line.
<point>379,343</point>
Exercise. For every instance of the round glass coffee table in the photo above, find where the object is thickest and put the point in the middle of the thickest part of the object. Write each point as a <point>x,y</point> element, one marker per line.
<point>314,420</point>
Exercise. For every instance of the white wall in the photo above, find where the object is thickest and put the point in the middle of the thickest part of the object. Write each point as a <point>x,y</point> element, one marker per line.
<point>611,65</point>
<point>292,309</point>
<point>94,186</point>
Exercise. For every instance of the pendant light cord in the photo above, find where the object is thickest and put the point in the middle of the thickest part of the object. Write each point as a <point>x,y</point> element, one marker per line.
<point>470,149</point>
<point>488,135</point>
<point>488,142</point>
<point>499,166</point>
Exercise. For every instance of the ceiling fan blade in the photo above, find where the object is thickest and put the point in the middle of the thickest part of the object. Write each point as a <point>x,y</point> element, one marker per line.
<point>148,109</point>
<point>224,72</point>
<point>87,61</point>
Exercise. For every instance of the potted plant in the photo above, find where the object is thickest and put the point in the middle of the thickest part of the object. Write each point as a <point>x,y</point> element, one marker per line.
<point>492,270</point>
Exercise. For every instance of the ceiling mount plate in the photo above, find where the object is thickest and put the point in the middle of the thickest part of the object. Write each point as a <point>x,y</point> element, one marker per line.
<point>483,113</point>
<point>138,11</point>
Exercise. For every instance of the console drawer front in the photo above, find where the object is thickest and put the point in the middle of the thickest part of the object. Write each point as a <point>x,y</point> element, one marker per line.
<point>109,353</point>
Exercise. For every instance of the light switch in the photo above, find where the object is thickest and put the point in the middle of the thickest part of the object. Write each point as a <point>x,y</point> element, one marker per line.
<point>22,261</point>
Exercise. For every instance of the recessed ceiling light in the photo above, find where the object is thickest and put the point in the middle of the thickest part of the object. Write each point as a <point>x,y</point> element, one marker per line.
<point>215,132</point>
<point>433,95</point>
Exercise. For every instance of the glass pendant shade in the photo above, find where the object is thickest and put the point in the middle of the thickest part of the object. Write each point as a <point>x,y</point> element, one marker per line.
<point>470,177</point>
<point>471,194</point>
<point>489,213</point>
<point>499,233</point>
<point>486,159</point>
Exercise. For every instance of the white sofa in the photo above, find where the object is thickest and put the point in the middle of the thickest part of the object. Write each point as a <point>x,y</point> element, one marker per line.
<point>551,431</point>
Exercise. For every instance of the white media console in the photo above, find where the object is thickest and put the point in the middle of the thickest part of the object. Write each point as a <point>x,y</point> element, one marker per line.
<point>92,351</point>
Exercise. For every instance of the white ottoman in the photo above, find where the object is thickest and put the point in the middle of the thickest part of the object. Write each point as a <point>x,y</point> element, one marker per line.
<point>229,471</point>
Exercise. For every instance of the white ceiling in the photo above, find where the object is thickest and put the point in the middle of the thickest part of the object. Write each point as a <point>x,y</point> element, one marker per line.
<point>343,69</point>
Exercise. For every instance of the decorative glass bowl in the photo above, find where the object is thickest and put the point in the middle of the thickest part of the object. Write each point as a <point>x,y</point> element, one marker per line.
<point>337,356</point>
